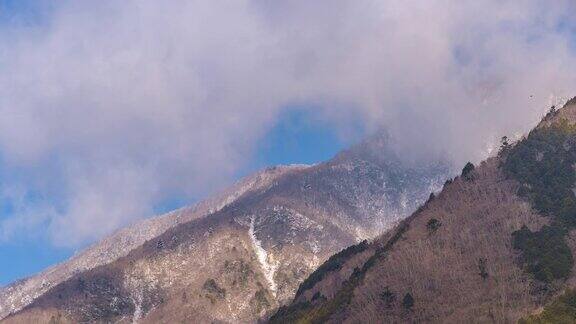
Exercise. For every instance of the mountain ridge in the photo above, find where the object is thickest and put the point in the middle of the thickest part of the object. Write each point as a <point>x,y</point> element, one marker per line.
<point>476,252</point>
<point>243,261</point>
<point>17,295</point>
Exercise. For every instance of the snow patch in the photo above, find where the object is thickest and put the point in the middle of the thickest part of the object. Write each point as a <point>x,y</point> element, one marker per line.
<point>268,269</point>
<point>137,309</point>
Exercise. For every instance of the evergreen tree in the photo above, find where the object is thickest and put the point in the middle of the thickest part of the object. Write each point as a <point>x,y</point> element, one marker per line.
<point>408,301</point>
<point>467,171</point>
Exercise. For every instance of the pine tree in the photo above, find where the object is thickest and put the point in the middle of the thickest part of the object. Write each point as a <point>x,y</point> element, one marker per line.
<point>408,301</point>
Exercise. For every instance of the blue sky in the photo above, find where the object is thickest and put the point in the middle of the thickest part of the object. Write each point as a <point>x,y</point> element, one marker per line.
<point>295,139</point>
<point>22,11</point>
<point>302,137</point>
<point>299,137</point>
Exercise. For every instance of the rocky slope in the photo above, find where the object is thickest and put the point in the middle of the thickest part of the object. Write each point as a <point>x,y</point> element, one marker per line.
<point>236,259</point>
<point>23,292</point>
<point>495,245</point>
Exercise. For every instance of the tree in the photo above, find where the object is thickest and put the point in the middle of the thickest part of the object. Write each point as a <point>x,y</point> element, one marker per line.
<point>552,110</point>
<point>504,144</point>
<point>387,297</point>
<point>483,268</point>
<point>408,301</point>
<point>551,113</point>
<point>432,225</point>
<point>467,171</point>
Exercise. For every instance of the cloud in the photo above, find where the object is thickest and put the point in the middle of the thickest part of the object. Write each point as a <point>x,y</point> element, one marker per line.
<point>110,107</point>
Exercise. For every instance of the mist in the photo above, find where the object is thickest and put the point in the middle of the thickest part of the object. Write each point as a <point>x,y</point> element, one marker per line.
<point>108,108</point>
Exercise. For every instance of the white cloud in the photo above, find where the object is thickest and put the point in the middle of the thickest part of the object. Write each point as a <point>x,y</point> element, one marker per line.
<point>114,106</point>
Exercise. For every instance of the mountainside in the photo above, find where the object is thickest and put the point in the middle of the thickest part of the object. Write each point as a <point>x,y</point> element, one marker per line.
<point>239,257</point>
<point>23,292</point>
<point>497,244</point>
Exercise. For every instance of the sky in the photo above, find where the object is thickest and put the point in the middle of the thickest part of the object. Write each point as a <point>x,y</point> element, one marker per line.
<point>114,111</point>
<point>298,137</point>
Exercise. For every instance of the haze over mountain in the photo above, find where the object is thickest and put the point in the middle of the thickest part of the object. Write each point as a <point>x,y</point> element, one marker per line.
<point>114,111</point>
<point>111,108</point>
<point>497,244</point>
<point>238,256</point>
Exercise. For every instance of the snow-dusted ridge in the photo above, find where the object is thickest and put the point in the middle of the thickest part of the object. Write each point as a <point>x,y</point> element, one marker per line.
<point>23,292</point>
<point>267,233</point>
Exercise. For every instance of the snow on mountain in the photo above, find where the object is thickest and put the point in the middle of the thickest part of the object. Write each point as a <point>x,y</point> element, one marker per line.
<point>238,257</point>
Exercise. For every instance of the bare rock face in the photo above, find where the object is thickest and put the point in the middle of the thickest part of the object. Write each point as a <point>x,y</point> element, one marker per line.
<point>236,258</point>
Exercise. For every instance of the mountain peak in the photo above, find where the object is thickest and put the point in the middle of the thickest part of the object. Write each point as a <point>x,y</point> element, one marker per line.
<point>236,257</point>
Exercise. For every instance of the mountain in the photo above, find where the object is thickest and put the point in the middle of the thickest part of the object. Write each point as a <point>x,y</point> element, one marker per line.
<point>23,292</point>
<point>235,258</point>
<point>497,244</point>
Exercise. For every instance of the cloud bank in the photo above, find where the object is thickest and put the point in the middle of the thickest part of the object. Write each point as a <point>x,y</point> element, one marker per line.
<point>108,108</point>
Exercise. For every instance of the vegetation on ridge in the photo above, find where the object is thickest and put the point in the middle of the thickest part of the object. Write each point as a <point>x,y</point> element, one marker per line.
<point>334,263</point>
<point>544,165</point>
<point>545,253</point>
<point>323,309</point>
<point>561,310</point>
